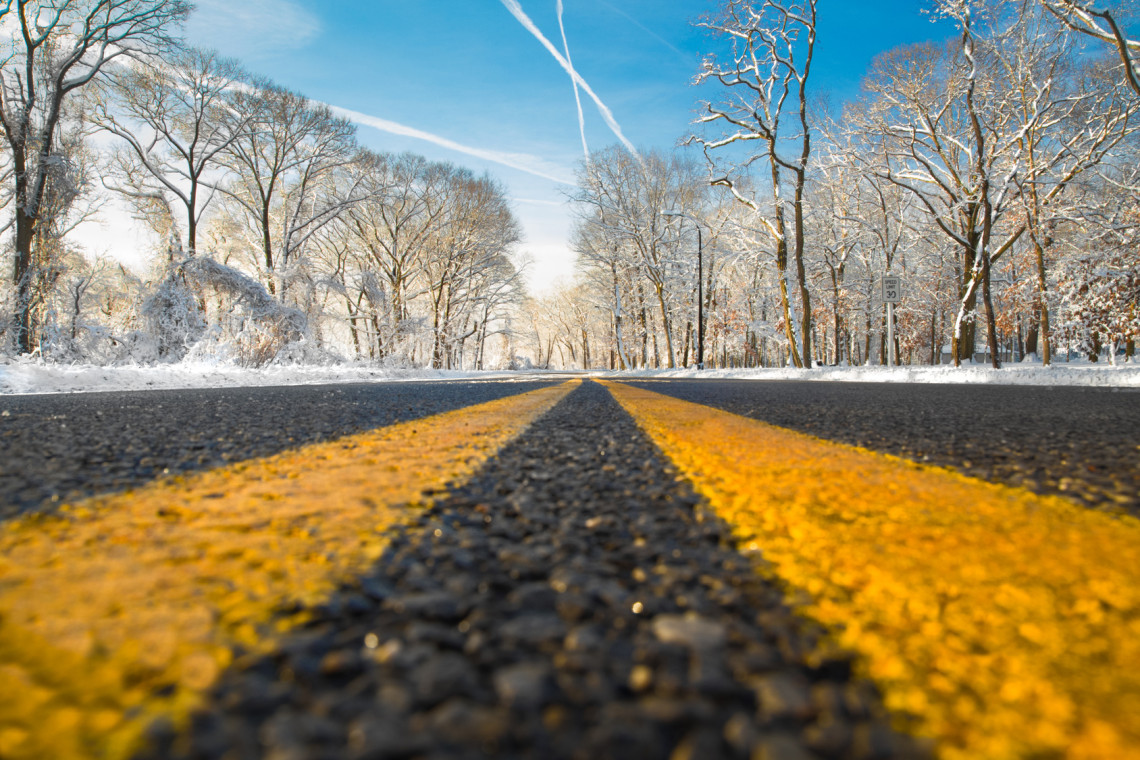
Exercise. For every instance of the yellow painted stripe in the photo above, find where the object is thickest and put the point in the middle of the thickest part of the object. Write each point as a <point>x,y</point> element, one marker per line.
<point>129,606</point>
<point>1006,624</point>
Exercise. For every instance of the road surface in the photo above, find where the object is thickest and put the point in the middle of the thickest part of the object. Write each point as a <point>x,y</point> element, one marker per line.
<point>571,569</point>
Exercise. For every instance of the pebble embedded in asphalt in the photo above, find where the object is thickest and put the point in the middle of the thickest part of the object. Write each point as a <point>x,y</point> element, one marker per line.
<point>572,601</point>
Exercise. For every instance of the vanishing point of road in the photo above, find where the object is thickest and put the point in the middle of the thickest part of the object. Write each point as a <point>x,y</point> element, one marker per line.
<point>571,568</point>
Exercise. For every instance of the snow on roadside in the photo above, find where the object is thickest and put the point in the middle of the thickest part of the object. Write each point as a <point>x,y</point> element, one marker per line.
<point>26,376</point>
<point>1072,374</point>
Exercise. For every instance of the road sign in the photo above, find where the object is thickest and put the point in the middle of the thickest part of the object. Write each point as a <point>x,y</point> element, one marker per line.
<point>892,289</point>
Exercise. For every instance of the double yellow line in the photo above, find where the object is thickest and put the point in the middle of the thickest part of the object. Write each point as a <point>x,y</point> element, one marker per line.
<point>999,623</point>
<point>129,606</point>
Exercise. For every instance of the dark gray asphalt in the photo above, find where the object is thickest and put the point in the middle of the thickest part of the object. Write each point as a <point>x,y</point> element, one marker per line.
<point>572,601</point>
<point>1080,442</point>
<point>57,448</point>
<point>540,610</point>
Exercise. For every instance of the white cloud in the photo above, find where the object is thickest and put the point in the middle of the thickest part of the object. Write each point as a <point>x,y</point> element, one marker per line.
<point>524,162</point>
<point>251,28</point>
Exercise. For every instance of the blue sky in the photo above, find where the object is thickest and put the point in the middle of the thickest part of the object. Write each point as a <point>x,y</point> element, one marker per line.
<point>436,74</point>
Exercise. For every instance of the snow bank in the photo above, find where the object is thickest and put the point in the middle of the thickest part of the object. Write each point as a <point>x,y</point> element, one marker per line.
<point>29,376</point>
<point>1082,374</point>
<point>25,376</point>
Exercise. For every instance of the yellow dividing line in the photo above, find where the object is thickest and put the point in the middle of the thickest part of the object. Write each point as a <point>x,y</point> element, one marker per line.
<point>1005,624</point>
<point>129,606</point>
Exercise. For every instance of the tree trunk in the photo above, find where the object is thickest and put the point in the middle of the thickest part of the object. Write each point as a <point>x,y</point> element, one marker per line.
<point>666,326</point>
<point>991,318</point>
<point>24,275</point>
<point>1043,305</point>
<point>801,274</point>
<point>656,349</point>
<point>866,358</point>
<point>963,342</point>
<point>782,254</point>
<point>353,331</point>
<point>934,352</point>
<point>835,310</point>
<point>267,252</point>
<point>192,222</point>
<point>685,347</point>
<point>643,324</point>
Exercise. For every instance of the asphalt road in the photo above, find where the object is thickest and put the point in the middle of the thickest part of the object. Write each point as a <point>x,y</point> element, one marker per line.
<point>572,600</point>
<point>1083,443</point>
<point>61,447</point>
<point>567,603</point>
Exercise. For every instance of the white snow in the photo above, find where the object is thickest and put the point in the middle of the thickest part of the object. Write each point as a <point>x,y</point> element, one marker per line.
<point>23,376</point>
<point>26,376</point>
<point>1072,374</point>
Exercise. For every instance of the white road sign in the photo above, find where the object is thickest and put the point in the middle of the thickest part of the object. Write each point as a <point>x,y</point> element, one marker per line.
<point>892,289</point>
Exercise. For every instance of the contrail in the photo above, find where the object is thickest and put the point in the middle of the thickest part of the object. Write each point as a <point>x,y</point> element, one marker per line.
<point>577,94</point>
<point>517,11</point>
<point>522,161</point>
<point>681,53</point>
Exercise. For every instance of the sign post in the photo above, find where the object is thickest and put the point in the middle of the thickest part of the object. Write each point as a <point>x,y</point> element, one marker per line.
<point>892,294</point>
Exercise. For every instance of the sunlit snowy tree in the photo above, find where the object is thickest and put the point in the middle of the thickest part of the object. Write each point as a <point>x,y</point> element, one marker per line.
<point>52,49</point>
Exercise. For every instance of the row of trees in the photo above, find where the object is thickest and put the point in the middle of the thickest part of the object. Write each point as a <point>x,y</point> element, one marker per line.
<point>279,233</point>
<point>995,174</point>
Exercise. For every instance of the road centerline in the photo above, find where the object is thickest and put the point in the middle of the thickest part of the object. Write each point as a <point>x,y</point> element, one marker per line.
<point>568,601</point>
<point>1005,622</point>
<point>127,606</point>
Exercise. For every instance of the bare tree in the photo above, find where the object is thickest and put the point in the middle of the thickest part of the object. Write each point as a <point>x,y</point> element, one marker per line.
<point>402,210</point>
<point>281,163</point>
<point>986,135</point>
<point>500,290</point>
<point>838,226</point>
<point>175,117</point>
<point>635,201</point>
<point>1073,118</point>
<point>604,266</point>
<point>773,43</point>
<point>57,47</point>
<point>927,121</point>
<point>1101,24</point>
<point>479,231</point>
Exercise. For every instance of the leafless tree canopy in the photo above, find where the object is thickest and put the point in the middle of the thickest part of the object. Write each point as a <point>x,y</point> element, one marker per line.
<point>276,236</point>
<point>994,172</point>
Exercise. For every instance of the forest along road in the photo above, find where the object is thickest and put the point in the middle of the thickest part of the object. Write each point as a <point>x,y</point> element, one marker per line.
<point>571,569</point>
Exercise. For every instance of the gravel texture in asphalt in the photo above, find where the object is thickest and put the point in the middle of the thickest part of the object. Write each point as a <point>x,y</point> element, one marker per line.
<point>58,448</point>
<point>1083,443</point>
<point>572,601</point>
